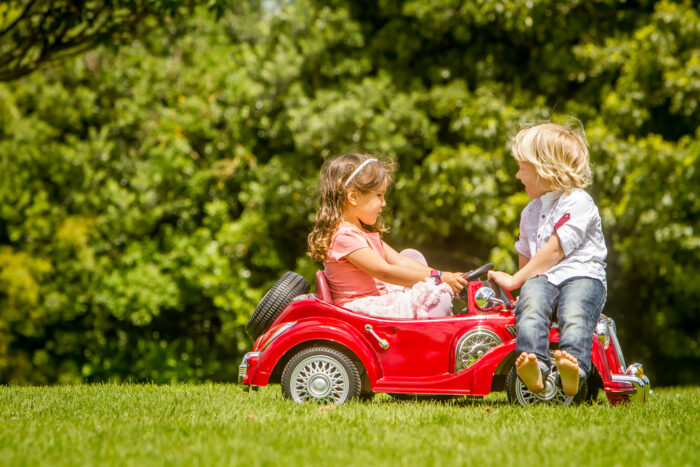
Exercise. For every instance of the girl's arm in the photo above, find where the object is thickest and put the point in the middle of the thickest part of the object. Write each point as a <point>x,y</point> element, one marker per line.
<point>394,257</point>
<point>370,262</point>
<point>453,279</point>
<point>548,256</point>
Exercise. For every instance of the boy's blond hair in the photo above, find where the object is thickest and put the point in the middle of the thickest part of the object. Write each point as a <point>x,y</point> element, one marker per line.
<point>558,153</point>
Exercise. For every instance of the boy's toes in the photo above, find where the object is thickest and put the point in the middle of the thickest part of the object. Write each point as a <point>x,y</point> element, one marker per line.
<point>569,357</point>
<point>521,359</point>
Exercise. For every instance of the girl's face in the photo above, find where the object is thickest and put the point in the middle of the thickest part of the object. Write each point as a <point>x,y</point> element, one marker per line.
<point>534,185</point>
<point>366,207</point>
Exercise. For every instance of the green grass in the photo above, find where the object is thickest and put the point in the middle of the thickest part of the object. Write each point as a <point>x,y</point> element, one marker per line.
<point>222,425</point>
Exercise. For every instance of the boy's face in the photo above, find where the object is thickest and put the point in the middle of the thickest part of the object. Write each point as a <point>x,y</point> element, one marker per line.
<point>534,185</point>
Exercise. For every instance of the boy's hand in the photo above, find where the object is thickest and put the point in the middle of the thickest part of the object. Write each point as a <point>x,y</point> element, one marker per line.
<point>503,279</point>
<point>454,280</point>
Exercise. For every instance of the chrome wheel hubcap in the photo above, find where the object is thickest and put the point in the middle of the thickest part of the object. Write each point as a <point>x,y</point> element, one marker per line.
<point>551,394</point>
<point>473,345</point>
<point>320,378</point>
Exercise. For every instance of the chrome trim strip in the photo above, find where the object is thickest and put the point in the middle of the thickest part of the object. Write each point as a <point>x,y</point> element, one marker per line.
<point>307,296</point>
<point>612,329</point>
<point>285,327</point>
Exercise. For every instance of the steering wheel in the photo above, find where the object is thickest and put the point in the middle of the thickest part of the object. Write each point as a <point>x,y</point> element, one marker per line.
<point>473,274</point>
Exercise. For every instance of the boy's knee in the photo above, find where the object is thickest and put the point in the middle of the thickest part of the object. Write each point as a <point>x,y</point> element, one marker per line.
<point>530,308</point>
<point>532,319</point>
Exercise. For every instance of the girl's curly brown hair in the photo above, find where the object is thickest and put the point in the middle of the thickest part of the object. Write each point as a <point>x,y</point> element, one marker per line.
<point>333,193</point>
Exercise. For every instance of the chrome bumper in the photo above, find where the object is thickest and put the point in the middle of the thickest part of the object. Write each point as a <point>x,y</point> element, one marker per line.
<point>243,367</point>
<point>635,375</point>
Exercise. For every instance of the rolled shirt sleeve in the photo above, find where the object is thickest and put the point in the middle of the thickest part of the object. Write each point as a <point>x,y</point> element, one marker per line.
<point>572,218</point>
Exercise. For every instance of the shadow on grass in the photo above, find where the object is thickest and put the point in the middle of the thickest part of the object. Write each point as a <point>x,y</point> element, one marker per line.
<point>447,400</point>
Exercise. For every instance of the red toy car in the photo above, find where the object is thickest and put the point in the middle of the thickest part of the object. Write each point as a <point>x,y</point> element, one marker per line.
<point>322,352</point>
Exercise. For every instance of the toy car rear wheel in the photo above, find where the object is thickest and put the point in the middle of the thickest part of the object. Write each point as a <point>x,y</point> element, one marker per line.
<point>552,393</point>
<point>290,285</point>
<point>321,374</point>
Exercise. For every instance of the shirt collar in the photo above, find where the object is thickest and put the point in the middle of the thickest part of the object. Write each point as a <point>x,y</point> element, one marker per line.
<point>548,199</point>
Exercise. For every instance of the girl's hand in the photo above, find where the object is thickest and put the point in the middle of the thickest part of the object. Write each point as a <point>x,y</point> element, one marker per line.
<point>454,280</point>
<point>503,279</point>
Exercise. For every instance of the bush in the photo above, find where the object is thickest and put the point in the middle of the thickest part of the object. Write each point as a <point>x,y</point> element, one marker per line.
<point>150,196</point>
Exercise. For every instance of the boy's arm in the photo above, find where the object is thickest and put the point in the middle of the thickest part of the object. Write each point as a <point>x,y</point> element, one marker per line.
<point>548,256</point>
<point>522,261</point>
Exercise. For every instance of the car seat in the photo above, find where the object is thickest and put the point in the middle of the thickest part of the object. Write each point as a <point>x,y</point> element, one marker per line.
<point>322,290</point>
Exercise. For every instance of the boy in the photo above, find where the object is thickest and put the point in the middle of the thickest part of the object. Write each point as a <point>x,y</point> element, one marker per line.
<point>562,257</point>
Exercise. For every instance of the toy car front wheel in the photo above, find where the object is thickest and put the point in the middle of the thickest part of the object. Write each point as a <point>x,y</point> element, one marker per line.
<point>552,393</point>
<point>320,374</point>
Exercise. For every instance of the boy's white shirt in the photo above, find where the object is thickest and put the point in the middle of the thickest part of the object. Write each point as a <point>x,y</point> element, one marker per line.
<point>578,226</point>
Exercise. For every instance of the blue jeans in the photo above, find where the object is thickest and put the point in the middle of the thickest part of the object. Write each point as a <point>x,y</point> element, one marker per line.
<point>578,302</point>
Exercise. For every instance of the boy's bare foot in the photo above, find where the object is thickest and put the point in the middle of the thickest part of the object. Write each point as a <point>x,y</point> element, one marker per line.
<point>568,371</point>
<point>529,371</point>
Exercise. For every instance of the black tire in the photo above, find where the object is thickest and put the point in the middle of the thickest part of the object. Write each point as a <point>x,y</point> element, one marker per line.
<point>290,285</point>
<point>519,394</point>
<point>366,393</point>
<point>594,385</point>
<point>591,395</point>
<point>321,374</point>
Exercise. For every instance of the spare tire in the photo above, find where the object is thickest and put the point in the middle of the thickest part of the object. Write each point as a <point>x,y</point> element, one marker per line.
<point>275,300</point>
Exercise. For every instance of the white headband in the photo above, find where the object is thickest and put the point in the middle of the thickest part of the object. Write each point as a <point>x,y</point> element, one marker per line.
<point>357,170</point>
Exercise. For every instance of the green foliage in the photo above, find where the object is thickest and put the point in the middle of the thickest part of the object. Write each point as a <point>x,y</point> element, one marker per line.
<point>151,195</point>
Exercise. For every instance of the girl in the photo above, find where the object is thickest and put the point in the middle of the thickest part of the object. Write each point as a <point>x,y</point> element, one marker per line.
<point>562,256</point>
<point>362,270</point>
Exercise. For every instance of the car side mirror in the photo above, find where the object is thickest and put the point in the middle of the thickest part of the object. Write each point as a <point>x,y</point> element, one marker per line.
<point>485,298</point>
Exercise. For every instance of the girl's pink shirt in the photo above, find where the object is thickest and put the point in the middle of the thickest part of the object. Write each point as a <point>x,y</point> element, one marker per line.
<point>346,281</point>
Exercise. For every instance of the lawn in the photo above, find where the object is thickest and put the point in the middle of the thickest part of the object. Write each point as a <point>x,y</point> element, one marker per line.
<point>219,424</point>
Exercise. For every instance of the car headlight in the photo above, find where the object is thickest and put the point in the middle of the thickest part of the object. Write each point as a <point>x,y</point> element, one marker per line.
<point>635,369</point>
<point>602,331</point>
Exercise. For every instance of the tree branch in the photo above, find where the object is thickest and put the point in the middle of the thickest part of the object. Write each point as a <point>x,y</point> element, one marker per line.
<point>47,31</point>
<point>19,18</point>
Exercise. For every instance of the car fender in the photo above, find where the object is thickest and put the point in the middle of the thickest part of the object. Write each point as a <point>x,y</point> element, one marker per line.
<point>600,361</point>
<point>314,330</point>
<point>486,366</point>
